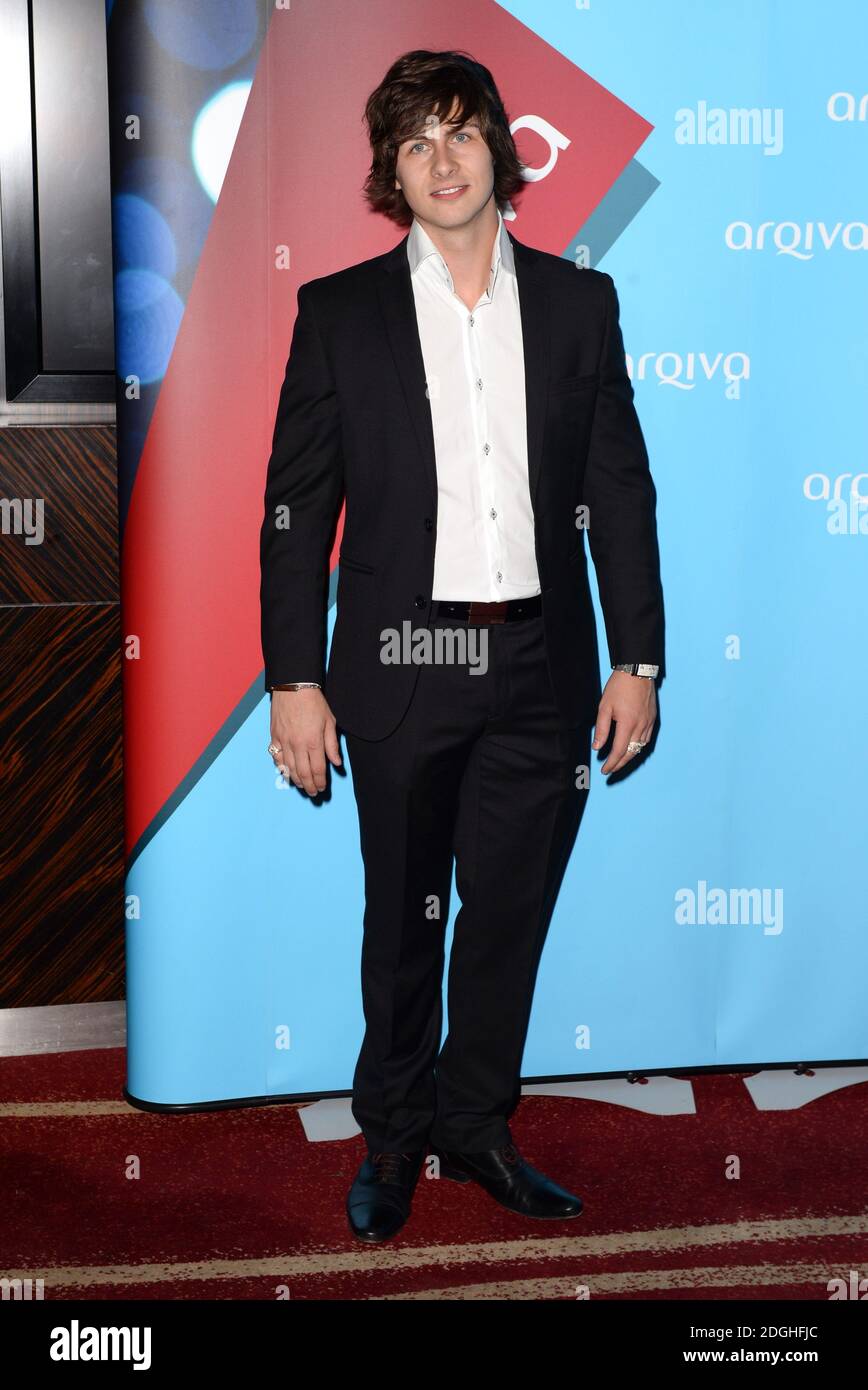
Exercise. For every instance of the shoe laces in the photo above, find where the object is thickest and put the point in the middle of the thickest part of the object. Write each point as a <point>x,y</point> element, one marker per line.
<point>387,1166</point>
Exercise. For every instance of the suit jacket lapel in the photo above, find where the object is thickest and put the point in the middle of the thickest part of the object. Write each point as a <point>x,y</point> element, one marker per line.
<point>535,333</point>
<point>399,315</point>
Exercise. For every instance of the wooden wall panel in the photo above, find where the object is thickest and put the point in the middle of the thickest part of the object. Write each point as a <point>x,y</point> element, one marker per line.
<point>61,816</point>
<point>74,471</point>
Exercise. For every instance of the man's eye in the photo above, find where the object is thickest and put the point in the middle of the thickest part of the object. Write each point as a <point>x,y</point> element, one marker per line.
<point>420,144</point>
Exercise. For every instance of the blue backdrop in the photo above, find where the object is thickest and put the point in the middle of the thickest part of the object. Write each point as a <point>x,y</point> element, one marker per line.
<point>714,910</point>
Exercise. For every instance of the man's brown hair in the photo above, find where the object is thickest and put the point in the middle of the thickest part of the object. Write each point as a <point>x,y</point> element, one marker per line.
<point>420,84</point>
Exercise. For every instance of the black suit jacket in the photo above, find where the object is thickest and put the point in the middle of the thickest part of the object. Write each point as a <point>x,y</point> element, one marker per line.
<point>354,420</point>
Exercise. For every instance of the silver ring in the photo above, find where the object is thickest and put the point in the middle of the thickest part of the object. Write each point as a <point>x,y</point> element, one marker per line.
<point>273,749</point>
<point>634,746</point>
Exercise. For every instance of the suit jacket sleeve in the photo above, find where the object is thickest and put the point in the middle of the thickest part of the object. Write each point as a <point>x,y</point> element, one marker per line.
<point>621,499</point>
<point>303,490</point>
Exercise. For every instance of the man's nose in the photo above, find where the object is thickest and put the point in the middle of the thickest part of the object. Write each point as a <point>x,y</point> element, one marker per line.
<point>443,164</point>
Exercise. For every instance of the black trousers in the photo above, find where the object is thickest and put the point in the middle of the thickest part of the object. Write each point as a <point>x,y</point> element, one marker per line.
<point>481,768</point>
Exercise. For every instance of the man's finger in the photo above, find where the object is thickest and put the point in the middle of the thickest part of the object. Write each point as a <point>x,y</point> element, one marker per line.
<point>332,744</point>
<point>603,725</point>
<point>288,761</point>
<point>317,766</point>
<point>302,768</point>
<point>619,754</point>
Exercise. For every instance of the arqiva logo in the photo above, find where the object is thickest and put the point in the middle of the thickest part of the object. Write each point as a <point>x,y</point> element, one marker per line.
<point>846,516</point>
<point>793,239</point>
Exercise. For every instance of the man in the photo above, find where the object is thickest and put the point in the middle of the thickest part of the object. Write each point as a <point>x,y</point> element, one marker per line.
<point>468,395</point>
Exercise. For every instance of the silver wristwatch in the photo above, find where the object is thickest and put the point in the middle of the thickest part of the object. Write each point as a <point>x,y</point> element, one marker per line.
<point>642,668</point>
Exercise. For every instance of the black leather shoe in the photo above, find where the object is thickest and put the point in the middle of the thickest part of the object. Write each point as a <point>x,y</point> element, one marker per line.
<point>511,1181</point>
<point>378,1203</point>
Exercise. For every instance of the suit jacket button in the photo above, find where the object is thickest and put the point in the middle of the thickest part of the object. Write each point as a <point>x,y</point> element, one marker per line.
<point>419,601</point>
<point>429,524</point>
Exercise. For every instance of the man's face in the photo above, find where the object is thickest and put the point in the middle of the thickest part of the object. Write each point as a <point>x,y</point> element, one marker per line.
<point>442,157</point>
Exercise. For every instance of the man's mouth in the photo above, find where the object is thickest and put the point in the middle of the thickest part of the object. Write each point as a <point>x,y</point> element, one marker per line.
<point>454,191</point>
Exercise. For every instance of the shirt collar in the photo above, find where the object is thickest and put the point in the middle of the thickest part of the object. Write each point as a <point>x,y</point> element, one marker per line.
<point>420,248</point>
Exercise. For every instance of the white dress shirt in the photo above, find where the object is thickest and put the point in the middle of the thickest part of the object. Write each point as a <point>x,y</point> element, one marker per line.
<point>474,369</point>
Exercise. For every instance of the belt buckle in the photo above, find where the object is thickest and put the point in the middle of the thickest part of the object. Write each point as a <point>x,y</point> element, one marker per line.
<point>494,612</point>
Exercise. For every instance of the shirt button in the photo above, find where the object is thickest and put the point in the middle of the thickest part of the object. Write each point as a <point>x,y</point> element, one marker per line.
<point>471,320</point>
<point>492,512</point>
<point>486,448</point>
<point>419,601</point>
<point>479,382</point>
<point>499,576</point>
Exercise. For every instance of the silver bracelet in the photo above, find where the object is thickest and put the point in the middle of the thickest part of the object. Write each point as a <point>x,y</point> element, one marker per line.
<point>298,685</point>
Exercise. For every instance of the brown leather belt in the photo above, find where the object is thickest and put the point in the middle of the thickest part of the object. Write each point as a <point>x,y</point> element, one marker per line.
<point>478,613</point>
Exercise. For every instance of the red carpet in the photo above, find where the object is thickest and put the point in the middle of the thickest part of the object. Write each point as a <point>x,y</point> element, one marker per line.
<point>239,1204</point>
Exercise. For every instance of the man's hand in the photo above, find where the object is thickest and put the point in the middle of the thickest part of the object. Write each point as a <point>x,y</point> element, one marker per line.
<point>632,702</point>
<point>303,729</point>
